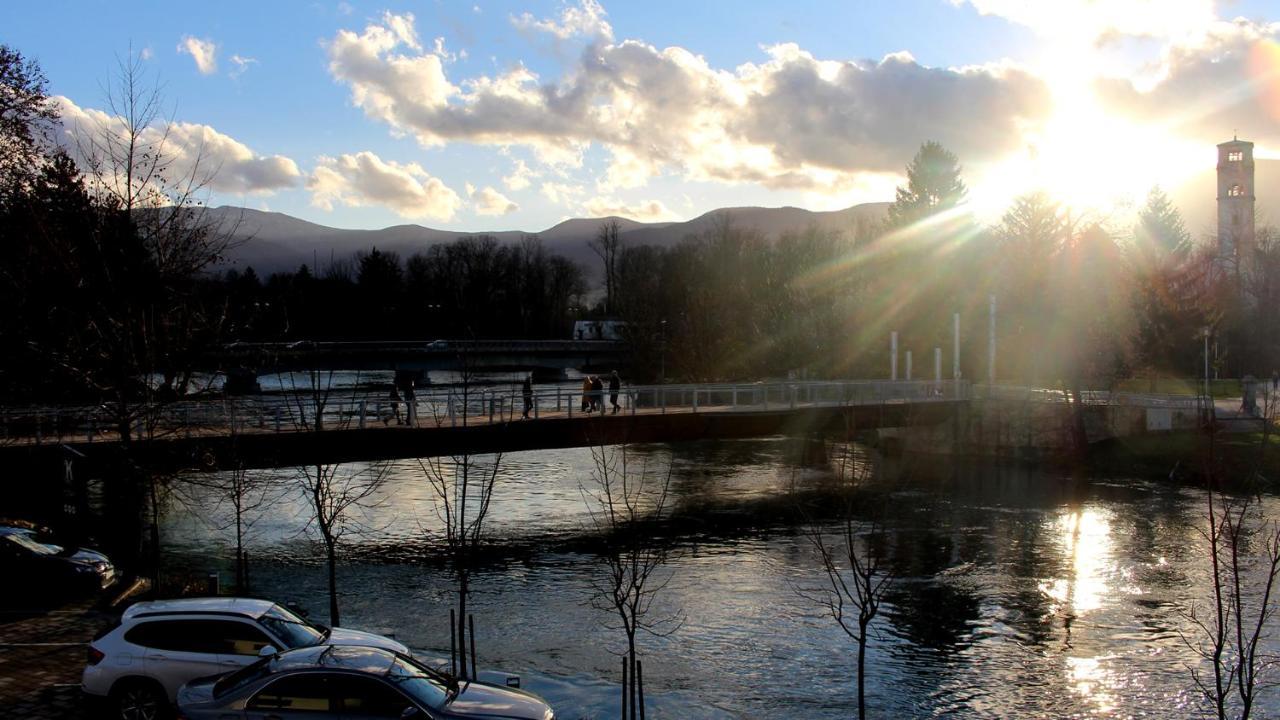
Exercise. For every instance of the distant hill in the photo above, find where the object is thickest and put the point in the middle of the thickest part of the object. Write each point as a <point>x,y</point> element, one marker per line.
<point>1197,199</point>
<point>274,242</point>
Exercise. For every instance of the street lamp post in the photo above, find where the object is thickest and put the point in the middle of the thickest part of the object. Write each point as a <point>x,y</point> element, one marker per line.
<point>1206,364</point>
<point>662,351</point>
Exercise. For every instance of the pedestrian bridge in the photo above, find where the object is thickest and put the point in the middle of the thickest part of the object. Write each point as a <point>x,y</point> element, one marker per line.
<point>310,425</point>
<point>317,425</point>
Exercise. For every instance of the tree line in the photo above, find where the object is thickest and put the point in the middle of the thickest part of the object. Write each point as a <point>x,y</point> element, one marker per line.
<point>1083,299</point>
<point>473,287</point>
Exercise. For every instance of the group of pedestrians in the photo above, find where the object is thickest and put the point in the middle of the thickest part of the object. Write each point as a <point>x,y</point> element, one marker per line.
<point>593,389</point>
<point>593,393</point>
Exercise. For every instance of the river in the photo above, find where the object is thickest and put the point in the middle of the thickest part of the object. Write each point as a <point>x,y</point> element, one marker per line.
<point>1017,591</point>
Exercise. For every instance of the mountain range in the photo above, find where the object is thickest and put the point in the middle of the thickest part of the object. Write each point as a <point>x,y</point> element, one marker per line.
<point>274,242</point>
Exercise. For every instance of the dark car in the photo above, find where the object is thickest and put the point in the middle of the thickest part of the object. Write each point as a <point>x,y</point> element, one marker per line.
<point>354,683</point>
<point>32,555</point>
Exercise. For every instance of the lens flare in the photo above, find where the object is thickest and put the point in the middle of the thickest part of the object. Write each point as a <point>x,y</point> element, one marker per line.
<point>1264,71</point>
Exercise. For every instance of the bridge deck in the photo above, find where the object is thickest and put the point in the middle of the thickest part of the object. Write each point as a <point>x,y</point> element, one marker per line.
<point>263,432</point>
<point>262,448</point>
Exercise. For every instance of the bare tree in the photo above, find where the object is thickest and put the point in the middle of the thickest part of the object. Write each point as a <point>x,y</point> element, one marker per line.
<point>462,489</point>
<point>623,503</point>
<point>154,193</point>
<point>1244,565</point>
<point>247,493</point>
<point>606,245</point>
<point>853,562</point>
<point>338,496</point>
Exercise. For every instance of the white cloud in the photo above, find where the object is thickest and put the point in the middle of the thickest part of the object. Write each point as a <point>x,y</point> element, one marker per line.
<point>793,121</point>
<point>652,211</point>
<point>584,19</point>
<point>146,54</point>
<point>488,201</point>
<point>1226,81</point>
<point>559,193</point>
<point>203,50</point>
<point>386,84</point>
<point>519,178</point>
<point>242,63</point>
<point>364,180</point>
<point>190,150</point>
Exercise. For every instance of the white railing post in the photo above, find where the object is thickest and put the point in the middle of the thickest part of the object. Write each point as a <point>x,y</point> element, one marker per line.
<point>735,397</point>
<point>695,399</point>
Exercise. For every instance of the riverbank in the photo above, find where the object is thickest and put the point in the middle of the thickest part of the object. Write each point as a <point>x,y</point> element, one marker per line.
<point>1232,457</point>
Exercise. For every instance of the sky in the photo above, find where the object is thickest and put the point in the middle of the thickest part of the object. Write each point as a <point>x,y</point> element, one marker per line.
<point>483,115</point>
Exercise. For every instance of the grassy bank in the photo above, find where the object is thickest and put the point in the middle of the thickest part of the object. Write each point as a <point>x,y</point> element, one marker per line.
<point>1186,455</point>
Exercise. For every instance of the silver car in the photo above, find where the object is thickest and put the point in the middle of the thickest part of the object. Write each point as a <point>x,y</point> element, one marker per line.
<point>137,667</point>
<point>352,683</point>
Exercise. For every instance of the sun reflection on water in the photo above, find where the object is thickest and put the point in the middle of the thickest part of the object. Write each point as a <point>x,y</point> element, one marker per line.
<point>1090,679</point>
<point>1086,544</point>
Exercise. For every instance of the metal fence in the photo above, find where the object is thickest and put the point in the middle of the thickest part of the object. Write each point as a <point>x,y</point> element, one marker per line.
<point>453,406</point>
<point>463,406</point>
<point>1018,393</point>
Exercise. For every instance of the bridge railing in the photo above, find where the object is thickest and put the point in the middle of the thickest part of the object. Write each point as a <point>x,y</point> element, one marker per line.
<point>1019,393</point>
<point>454,406</point>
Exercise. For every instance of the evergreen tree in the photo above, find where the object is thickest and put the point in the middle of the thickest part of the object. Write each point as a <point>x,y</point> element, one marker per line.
<point>26,116</point>
<point>1168,313</point>
<point>933,185</point>
<point>1028,238</point>
<point>1160,233</point>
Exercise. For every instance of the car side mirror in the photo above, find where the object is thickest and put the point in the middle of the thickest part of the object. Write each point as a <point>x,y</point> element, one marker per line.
<point>267,651</point>
<point>410,713</point>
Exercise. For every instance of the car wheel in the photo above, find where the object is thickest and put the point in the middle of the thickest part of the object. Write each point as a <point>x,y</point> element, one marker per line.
<point>140,701</point>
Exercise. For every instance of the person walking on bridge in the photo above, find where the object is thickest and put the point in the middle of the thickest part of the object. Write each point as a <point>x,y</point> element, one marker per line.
<point>586,393</point>
<point>615,384</point>
<point>597,394</point>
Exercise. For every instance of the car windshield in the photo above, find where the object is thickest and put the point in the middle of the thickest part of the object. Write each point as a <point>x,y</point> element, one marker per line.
<point>420,683</point>
<point>291,629</point>
<point>241,677</point>
<point>30,543</point>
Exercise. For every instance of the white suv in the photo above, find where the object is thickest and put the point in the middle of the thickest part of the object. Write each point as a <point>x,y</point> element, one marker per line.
<point>158,646</point>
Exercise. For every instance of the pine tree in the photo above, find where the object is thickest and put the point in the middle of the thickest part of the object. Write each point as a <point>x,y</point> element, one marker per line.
<point>1160,233</point>
<point>1167,314</point>
<point>933,186</point>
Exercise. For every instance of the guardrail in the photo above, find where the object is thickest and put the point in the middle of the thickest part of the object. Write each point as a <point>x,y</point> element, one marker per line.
<point>461,406</point>
<point>298,411</point>
<point>1019,393</point>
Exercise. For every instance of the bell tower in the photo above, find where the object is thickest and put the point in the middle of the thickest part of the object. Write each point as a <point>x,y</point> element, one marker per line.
<point>1236,239</point>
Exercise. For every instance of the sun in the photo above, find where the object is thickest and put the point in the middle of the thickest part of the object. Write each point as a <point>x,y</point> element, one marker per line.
<point>1086,157</point>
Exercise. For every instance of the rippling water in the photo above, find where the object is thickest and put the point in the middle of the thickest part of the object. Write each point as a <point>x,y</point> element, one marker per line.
<point>1019,592</point>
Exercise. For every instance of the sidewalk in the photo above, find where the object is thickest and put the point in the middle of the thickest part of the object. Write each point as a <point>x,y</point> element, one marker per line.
<point>41,656</point>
